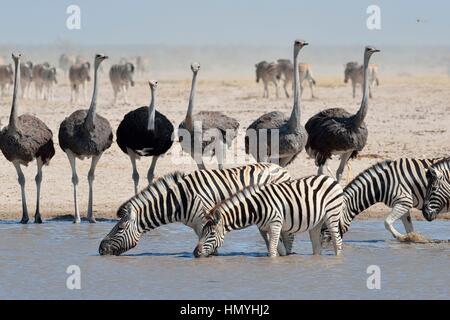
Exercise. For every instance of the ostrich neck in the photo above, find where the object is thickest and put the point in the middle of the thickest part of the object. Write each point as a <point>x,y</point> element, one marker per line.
<point>294,120</point>
<point>188,121</point>
<point>13,115</point>
<point>362,112</point>
<point>151,112</point>
<point>92,109</point>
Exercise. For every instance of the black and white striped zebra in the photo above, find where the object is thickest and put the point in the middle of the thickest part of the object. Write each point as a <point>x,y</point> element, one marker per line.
<point>437,198</point>
<point>182,198</point>
<point>399,184</point>
<point>279,210</point>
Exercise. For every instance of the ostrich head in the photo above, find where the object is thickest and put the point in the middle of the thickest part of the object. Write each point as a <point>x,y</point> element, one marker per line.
<point>195,66</point>
<point>370,50</point>
<point>298,44</point>
<point>153,84</point>
<point>16,57</point>
<point>99,58</point>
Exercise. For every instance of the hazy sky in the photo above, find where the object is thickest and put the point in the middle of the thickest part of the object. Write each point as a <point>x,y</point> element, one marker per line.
<point>225,22</point>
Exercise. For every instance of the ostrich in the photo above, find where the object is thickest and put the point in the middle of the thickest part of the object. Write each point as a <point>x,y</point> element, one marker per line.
<point>292,135</point>
<point>336,131</point>
<point>145,132</point>
<point>24,139</point>
<point>85,134</point>
<point>195,139</point>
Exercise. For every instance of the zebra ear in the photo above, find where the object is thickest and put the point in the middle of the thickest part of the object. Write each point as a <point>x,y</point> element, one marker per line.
<point>217,216</point>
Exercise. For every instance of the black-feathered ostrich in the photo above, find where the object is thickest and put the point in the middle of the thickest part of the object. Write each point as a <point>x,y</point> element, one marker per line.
<point>338,132</point>
<point>86,134</point>
<point>203,128</point>
<point>24,139</point>
<point>145,132</point>
<point>291,134</point>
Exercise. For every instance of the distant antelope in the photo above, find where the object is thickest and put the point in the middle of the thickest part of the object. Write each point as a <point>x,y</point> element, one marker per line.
<point>26,70</point>
<point>79,76</point>
<point>121,76</point>
<point>285,70</point>
<point>354,72</point>
<point>6,78</point>
<point>267,72</point>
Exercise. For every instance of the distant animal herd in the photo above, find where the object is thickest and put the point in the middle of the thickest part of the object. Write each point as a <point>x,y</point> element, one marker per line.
<point>214,202</point>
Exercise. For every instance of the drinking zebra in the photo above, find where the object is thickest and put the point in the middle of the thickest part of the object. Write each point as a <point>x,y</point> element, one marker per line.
<point>182,198</point>
<point>437,198</point>
<point>399,184</point>
<point>279,210</point>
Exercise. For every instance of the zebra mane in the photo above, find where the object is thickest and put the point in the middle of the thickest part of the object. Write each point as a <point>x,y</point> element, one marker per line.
<point>159,185</point>
<point>443,164</point>
<point>381,165</point>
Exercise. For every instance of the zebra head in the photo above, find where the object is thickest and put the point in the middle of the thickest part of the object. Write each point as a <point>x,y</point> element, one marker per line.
<point>259,69</point>
<point>438,192</point>
<point>212,236</point>
<point>125,234</point>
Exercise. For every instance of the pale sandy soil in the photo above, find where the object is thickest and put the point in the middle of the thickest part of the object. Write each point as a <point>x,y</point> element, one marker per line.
<point>409,117</point>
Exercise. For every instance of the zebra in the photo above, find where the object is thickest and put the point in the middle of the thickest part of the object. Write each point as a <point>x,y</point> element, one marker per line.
<point>44,77</point>
<point>121,76</point>
<point>79,76</point>
<point>182,198</point>
<point>354,72</point>
<point>66,61</point>
<point>437,198</point>
<point>26,76</point>
<point>6,78</point>
<point>279,210</point>
<point>286,72</point>
<point>267,72</point>
<point>400,185</point>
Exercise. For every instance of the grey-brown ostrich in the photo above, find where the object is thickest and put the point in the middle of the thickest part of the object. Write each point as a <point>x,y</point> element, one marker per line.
<point>291,134</point>
<point>337,132</point>
<point>206,130</point>
<point>86,134</point>
<point>24,139</point>
<point>145,132</point>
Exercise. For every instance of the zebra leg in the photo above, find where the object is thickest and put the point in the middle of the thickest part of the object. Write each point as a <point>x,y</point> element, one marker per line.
<point>276,88</point>
<point>125,94</point>
<point>274,237</point>
<point>135,175</point>
<point>314,235</point>
<point>407,223</point>
<point>340,170</point>
<point>370,92</point>
<point>266,90</point>
<point>72,158</point>
<point>91,177</point>
<point>332,223</point>
<point>354,88</point>
<point>288,241</point>
<point>398,211</point>
<point>151,170</point>
<point>84,92</point>
<point>21,179</point>
<point>281,247</point>
<point>38,179</point>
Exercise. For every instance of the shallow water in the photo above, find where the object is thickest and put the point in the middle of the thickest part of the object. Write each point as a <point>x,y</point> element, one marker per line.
<point>34,259</point>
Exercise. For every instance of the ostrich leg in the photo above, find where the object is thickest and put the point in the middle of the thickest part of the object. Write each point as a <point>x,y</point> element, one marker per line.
<point>151,170</point>
<point>220,153</point>
<point>71,156</point>
<point>91,177</point>
<point>135,175</point>
<point>38,178</point>
<point>340,170</point>
<point>285,88</point>
<point>21,179</point>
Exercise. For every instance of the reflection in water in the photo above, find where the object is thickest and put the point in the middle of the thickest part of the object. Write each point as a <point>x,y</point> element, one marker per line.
<point>34,259</point>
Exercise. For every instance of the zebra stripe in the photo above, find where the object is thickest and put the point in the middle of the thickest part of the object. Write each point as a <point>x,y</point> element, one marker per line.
<point>183,198</point>
<point>400,185</point>
<point>437,198</point>
<point>279,210</point>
